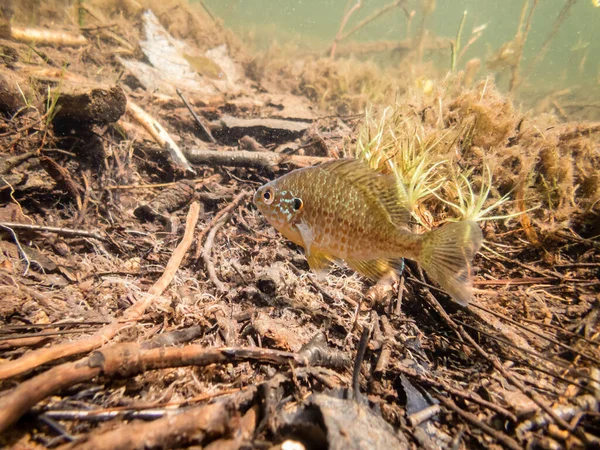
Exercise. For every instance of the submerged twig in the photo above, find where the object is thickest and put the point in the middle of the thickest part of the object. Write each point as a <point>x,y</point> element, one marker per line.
<point>207,251</point>
<point>244,158</point>
<point>562,15</point>
<point>194,424</point>
<point>337,38</point>
<point>56,230</point>
<point>227,210</point>
<point>159,134</point>
<point>474,420</point>
<point>371,18</point>
<point>204,129</point>
<point>520,42</point>
<point>129,359</point>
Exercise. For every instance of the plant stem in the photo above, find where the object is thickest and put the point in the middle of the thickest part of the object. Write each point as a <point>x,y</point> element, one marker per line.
<point>456,46</point>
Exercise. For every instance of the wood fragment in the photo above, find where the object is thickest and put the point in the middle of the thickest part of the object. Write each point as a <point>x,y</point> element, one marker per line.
<point>77,104</point>
<point>423,415</point>
<point>159,134</point>
<point>47,37</point>
<point>57,230</point>
<point>129,359</point>
<point>244,158</point>
<point>474,420</point>
<point>231,129</point>
<point>192,425</point>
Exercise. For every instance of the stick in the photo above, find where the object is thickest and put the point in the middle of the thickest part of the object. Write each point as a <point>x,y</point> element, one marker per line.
<point>134,313</point>
<point>57,230</point>
<point>206,252</point>
<point>370,19</point>
<point>423,415</point>
<point>129,359</point>
<point>205,130</point>
<point>500,437</point>
<point>243,158</point>
<point>47,37</point>
<point>562,15</point>
<point>168,432</point>
<point>159,134</point>
<point>234,203</point>
<point>520,40</point>
<point>352,10</point>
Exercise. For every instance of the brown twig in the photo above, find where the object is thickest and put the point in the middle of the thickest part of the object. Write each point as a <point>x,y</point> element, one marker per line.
<point>562,15</point>
<point>159,134</point>
<point>520,39</point>
<point>466,395</point>
<point>337,38</point>
<point>462,334</point>
<point>371,18</point>
<point>474,420</point>
<point>134,313</point>
<point>204,129</point>
<point>227,210</point>
<point>243,158</point>
<point>168,432</point>
<point>207,251</point>
<point>128,359</point>
<point>56,230</point>
<point>386,348</point>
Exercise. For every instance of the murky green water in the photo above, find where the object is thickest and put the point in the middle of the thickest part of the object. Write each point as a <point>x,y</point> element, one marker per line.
<point>572,58</point>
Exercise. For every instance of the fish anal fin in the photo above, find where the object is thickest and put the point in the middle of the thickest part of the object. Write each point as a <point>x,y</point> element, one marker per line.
<point>383,188</point>
<point>376,269</point>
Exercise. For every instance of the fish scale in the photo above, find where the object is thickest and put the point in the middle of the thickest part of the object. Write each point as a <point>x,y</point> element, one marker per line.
<point>344,210</point>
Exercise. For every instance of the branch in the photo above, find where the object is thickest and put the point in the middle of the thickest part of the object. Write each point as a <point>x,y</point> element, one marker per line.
<point>159,134</point>
<point>243,158</point>
<point>129,359</point>
<point>57,230</point>
<point>168,432</point>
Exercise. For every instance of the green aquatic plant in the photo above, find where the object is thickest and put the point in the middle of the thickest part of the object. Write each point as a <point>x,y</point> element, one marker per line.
<point>470,203</point>
<point>396,144</point>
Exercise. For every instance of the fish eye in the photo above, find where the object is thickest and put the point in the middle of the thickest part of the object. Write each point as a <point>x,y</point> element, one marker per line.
<point>297,204</point>
<point>268,196</point>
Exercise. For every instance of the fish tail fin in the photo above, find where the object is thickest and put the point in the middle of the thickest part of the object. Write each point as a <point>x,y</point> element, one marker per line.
<point>447,256</point>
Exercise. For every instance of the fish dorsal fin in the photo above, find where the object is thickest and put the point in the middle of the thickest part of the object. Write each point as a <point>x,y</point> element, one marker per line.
<point>383,188</point>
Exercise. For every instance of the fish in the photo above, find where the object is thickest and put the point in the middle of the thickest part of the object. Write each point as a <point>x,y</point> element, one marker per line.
<point>205,66</point>
<point>344,211</point>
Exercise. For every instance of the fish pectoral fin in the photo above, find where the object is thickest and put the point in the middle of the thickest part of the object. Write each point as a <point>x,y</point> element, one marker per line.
<point>307,236</point>
<point>319,262</point>
<point>376,269</point>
